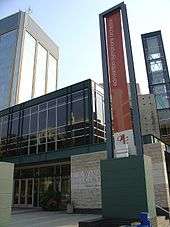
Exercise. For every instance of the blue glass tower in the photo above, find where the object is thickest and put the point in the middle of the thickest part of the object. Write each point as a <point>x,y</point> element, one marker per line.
<point>158,78</point>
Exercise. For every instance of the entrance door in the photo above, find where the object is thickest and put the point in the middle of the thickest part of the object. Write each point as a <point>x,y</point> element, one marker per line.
<point>23,192</point>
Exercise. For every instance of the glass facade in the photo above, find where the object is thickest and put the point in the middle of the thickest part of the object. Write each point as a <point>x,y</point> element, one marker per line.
<point>7,57</point>
<point>52,74</point>
<point>40,74</point>
<point>31,182</point>
<point>27,69</point>
<point>60,122</point>
<point>157,70</point>
<point>98,113</point>
<point>38,70</point>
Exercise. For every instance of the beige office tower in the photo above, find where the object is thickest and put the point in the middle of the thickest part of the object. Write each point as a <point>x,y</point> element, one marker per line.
<point>28,60</point>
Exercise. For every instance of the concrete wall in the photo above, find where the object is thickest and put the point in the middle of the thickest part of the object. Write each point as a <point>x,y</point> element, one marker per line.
<point>86,180</point>
<point>6,184</point>
<point>159,170</point>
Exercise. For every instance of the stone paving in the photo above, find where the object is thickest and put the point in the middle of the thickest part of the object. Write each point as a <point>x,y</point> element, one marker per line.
<point>37,218</point>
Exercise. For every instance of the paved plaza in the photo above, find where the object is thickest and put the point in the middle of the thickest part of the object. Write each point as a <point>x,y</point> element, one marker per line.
<point>38,218</point>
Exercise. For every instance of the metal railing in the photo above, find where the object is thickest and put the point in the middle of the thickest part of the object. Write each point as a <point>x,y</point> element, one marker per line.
<point>164,210</point>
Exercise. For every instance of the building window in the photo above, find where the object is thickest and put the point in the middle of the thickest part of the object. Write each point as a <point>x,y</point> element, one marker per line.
<point>59,123</point>
<point>52,74</point>
<point>100,108</point>
<point>7,57</point>
<point>153,45</point>
<point>77,113</point>
<point>40,74</point>
<point>156,66</point>
<point>61,115</point>
<point>162,101</point>
<point>27,69</point>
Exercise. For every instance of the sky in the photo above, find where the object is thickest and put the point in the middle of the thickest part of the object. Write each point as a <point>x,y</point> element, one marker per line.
<point>74,27</point>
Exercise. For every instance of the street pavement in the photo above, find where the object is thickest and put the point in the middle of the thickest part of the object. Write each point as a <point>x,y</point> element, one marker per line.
<point>38,218</point>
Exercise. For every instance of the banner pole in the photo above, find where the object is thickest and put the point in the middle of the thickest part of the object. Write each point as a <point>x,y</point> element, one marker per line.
<point>107,103</point>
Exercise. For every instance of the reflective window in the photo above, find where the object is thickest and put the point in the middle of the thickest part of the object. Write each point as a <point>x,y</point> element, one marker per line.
<point>4,128</point>
<point>162,101</point>
<point>25,90</point>
<point>52,74</point>
<point>7,57</point>
<point>61,115</point>
<point>77,113</point>
<point>34,123</point>
<point>157,69</point>
<point>42,120</point>
<point>154,56</point>
<point>157,78</point>
<point>25,126</point>
<point>153,45</point>
<point>159,89</point>
<point>156,66</point>
<point>14,127</point>
<point>39,87</point>
<point>55,124</point>
<point>100,108</point>
<point>52,118</point>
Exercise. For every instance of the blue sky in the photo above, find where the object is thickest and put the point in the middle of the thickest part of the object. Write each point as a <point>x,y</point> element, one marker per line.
<point>74,26</point>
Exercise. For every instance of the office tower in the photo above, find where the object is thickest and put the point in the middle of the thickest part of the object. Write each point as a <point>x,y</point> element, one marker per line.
<point>158,78</point>
<point>28,60</point>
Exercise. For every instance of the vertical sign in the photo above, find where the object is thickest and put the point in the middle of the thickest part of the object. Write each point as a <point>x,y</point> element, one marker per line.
<point>121,113</point>
<point>113,28</point>
<point>117,74</point>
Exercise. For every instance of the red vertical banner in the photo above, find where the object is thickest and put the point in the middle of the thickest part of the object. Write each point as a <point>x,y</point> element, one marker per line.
<point>121,112</point>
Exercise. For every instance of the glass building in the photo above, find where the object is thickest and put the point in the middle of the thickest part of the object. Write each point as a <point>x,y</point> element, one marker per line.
<point>40,136</point>
<point>158,79</point>
<point>28,60</point>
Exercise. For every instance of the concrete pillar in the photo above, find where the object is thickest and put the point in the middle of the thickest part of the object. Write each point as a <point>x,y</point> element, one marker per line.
<point>6,186</point>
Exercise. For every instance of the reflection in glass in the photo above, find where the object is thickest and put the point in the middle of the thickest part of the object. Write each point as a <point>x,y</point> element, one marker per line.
<point>159,89</point>
<point>52,72</point>
<point>25,89</point>
<point>42,120</point>
<point>156,66</point>
<point>61,115</point>
<point>100,108</point>
<point>162,101</point>
<point>25,127</point>
<point>39,88</point>
<point>52,118</point>
<point>77,113</point>
<point>153,45</point>
<point>157,77</point>
<point>14,127</point>
<point>7,56</point>
<point>33,125</point>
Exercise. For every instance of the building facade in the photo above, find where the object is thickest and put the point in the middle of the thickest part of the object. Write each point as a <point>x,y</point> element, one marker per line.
<point>58,140</point>
<point>28,60</point>
<point>40,136</point>
<point>158,79</point>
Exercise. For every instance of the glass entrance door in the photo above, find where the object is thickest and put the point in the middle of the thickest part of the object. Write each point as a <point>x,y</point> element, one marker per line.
<point>23,192</point>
